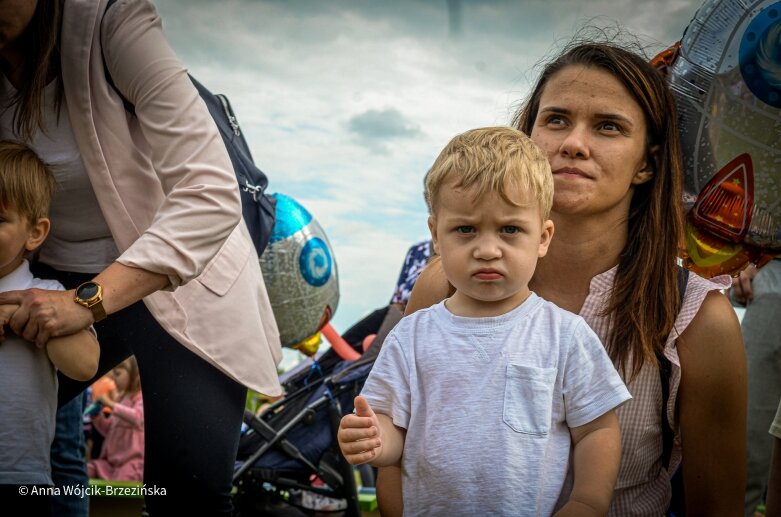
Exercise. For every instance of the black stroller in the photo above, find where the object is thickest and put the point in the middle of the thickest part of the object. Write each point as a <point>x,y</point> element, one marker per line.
<point>289,462</point>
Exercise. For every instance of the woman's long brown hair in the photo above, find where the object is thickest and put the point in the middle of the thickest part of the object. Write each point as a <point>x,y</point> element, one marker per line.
<point>645,300</point>
<point>41,65</point>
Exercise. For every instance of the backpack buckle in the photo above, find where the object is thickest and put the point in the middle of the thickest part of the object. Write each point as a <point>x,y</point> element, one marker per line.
<point>252,189</point>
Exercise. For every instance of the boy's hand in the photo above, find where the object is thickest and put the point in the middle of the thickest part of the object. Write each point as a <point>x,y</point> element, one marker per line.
<point>359,434</point>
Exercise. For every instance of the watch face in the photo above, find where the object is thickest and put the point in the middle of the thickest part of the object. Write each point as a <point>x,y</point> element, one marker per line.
<point>87,291</point>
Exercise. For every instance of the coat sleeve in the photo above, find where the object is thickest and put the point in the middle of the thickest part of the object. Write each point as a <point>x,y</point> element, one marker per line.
<point>202,205</point>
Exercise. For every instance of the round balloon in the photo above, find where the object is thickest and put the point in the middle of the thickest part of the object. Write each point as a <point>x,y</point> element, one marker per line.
<point>300,273</point>
<point>726,76</point>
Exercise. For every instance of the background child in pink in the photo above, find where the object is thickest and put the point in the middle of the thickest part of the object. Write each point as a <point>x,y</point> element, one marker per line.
<point>122,455</point>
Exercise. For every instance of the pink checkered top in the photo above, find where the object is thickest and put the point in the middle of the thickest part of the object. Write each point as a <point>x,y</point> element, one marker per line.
<point>643,486</point>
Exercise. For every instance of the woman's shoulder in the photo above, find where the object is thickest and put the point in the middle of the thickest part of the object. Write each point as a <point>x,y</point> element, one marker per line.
<point>713,336</point>
<point>697,282</point>
<point>698,290</point>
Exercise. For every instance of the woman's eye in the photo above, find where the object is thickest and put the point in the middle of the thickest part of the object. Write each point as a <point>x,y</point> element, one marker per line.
<point>610,126</point>
<point>555,120</point>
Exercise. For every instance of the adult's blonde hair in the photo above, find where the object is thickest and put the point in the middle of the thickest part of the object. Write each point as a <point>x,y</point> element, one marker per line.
<point>492,159</point>
<point>26,183</point>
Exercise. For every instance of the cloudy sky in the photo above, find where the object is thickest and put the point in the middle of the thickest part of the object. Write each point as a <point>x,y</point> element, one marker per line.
<point>345,104</point>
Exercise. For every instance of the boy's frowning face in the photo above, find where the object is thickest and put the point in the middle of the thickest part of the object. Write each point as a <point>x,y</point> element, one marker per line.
<point>489,248</point>
<point>17,235</point>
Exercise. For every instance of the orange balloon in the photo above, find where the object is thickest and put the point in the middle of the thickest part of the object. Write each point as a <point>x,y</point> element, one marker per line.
<point>338,343</point>
<point>368,340</point>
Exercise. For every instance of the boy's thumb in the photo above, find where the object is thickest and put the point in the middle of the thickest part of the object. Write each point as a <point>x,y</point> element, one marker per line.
<point>362,407</point>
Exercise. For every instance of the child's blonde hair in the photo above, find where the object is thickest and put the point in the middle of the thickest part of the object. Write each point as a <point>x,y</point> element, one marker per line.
<point>26,183</point>
<point>492,159</point>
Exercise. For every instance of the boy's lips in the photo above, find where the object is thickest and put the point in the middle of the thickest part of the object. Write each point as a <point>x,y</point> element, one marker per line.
<point>488,274</point>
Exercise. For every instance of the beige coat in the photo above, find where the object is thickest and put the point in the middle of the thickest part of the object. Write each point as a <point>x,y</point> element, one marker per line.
<point>166,187</point>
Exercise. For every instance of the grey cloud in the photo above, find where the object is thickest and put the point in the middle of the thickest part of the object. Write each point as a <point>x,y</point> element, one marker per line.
<point>374,128</point>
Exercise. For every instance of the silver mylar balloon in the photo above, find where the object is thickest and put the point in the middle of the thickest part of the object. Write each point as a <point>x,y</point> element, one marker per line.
<point>727,82</point>
<point>300,273</point>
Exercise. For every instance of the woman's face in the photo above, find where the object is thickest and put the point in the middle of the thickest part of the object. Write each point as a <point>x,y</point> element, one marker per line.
<point>594,134</point>
<point>15,16</point>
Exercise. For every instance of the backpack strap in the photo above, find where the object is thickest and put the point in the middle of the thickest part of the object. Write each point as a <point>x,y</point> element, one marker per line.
<point>665,371</point>
<point>128,105</point>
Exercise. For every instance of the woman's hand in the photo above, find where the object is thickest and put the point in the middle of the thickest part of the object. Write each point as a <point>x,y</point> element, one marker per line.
<point>741,290</point>
<point>6,311</point>
<point>43,314</point>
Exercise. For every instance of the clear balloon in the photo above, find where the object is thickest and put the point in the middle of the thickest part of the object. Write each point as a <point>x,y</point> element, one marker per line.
<point>726,76</point>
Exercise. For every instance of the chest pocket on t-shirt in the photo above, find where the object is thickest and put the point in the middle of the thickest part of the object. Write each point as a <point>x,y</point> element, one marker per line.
<point>528,399</point>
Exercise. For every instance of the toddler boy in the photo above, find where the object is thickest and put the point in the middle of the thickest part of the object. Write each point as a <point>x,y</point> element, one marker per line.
<point>28,379</point>
<point>488,396</point>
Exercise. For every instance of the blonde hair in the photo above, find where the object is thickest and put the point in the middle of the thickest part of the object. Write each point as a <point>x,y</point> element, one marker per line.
<point>130,365</point>
<point>26,183</point>
<point>492,159</point>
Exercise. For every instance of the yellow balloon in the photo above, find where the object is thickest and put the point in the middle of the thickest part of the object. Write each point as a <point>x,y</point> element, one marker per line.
<point>309,346</point>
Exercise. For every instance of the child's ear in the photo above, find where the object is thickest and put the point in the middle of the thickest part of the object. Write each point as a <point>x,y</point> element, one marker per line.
<point>545,237</point>
<point>432,228</point>
<point>38,232</point>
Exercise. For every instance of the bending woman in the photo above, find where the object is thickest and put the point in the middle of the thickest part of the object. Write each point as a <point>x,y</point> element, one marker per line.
<point>147,209</point>
<point>607,121</point>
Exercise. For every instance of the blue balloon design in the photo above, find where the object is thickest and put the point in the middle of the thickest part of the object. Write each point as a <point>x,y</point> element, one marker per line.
<point>291,217</point>
<point>315,262</point>
<point>760,55</point>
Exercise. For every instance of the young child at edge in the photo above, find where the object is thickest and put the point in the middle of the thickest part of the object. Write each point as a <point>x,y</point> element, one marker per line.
<point>122,454</point>
<point>28,380</point>
<point>489,395</point>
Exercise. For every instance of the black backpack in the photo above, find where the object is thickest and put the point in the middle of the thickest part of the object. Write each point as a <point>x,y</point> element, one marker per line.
<point>678,501</point>
<point>258,208</point>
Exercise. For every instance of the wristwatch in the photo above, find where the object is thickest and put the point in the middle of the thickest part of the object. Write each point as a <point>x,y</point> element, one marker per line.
<point>90,295</point>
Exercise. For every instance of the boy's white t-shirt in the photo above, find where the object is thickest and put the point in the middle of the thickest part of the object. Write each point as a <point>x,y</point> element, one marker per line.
<point>28,397</point>
<point>487,404</point>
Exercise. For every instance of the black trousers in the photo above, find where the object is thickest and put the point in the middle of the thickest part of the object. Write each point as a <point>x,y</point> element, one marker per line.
<point>192,411</point>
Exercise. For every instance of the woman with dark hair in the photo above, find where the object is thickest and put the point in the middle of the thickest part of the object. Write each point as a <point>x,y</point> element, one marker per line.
<point>607,121</point>
<point>147,234</point>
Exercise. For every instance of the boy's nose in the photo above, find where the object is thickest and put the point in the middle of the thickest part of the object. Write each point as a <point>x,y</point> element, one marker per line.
<point>487,248</point>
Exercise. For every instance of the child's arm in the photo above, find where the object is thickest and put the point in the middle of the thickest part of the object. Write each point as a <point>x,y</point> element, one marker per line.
<point>367,437</point>
<point>102,423</point>
<point>133,413</point>
<point>75,355</point>
<point>596,461</point>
